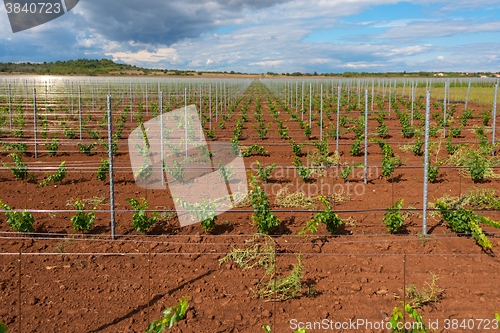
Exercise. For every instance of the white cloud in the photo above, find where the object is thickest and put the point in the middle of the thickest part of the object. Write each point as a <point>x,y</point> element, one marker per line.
<point>442,28</point>
<point>268,63</point>
<point>468,5</point>
<point>361,65</point>
<point>162,55</point>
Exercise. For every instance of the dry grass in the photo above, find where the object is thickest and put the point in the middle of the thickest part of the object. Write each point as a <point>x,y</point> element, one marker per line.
<point>298,199</point>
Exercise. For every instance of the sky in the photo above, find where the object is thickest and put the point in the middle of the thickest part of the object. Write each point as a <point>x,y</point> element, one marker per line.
<point>259,36</point>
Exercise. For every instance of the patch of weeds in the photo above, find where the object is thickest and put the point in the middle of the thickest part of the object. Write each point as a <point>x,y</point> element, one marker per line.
<point>273,286</point>
<point>166,216</point>
<point>259,254</point>
<point>298,199</point>
<point>61,247</point>
<point>286,287</point>
<point>95,201</point>
<point>478,162</point>
<point>340,196</point>
<point>466,221</point>
<point>350,221</point>
<point>243,199</point>
<point>424,238</point>
<point>426,296</point>
<point>318,161</point>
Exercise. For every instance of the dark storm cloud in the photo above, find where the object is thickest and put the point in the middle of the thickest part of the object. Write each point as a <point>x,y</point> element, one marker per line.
<point>160,21</point>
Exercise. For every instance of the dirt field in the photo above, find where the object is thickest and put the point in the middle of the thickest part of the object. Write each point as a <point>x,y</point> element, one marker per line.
<point>56,280</point>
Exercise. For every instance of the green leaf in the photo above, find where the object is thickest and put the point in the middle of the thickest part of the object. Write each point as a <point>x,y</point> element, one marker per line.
<point>170,317</point>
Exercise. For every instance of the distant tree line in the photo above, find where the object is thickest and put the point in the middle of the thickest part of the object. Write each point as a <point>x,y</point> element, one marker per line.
<point>381,74</point>
<point>104,66</point>
<point>93,67</point>
<point>70,67</point>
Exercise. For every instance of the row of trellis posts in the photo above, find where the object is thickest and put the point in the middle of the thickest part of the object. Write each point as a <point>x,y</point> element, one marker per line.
<point>225,95</point>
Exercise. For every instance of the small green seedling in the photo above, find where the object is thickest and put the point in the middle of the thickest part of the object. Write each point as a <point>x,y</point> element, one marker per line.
<point>82,221</point>
<point>328,217</point>
<point>19,221</point>
<point>170,316</point>
<point>393,218</point>
<point>140,221</point>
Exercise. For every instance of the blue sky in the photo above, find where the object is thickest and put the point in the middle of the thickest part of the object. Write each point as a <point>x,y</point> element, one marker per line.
<point>257,36</point>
